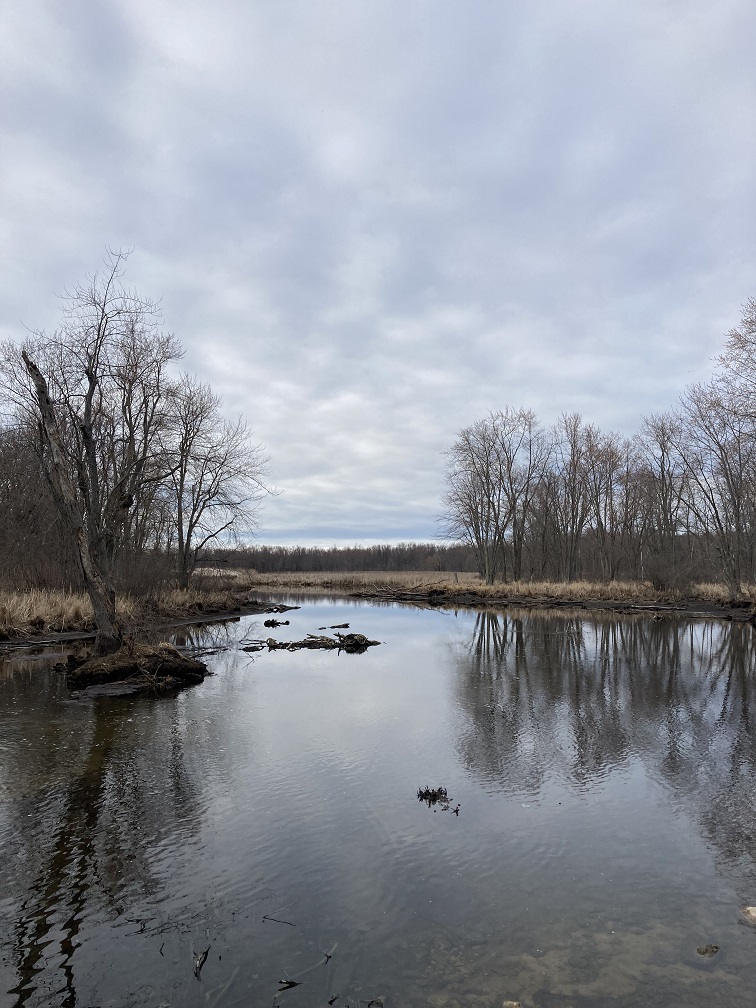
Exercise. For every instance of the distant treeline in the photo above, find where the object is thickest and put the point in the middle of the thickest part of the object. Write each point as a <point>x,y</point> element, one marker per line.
<point>307,559</point>
<point>674,504</point>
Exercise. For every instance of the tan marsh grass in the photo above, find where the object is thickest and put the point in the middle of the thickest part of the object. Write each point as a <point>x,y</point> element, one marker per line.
<point>26,613</point>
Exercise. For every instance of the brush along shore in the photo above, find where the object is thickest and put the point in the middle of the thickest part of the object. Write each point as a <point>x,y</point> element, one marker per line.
<point>29,614</point>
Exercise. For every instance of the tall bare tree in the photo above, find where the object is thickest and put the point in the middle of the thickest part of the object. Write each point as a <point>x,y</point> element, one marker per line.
<point>664,484</point>
<point>569,502</point>
<point>716,444</point>
<point>475,505</point>
<point>95,389</point>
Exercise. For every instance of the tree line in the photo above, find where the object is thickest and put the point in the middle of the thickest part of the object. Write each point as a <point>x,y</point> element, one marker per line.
<point>673,504</point>
<point>116,469</point>
<point>410,556</point>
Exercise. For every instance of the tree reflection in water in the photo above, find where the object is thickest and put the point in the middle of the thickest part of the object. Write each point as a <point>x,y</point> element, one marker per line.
<point>96,831</point>
<point>573,697</point>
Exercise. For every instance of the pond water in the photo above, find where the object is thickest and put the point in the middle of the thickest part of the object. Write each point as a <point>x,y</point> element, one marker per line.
<point>604,770</point>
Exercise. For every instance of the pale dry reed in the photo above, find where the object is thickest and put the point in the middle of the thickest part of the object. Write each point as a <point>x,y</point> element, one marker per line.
<point>451,583</point>
<point>37,611</point>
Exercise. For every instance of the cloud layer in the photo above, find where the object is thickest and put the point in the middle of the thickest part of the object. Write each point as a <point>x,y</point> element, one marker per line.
<point>370,222</point>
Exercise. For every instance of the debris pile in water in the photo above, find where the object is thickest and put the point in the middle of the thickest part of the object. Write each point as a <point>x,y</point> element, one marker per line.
<point>437,796</point>
<point>352,643</point>
<point>145,667</point>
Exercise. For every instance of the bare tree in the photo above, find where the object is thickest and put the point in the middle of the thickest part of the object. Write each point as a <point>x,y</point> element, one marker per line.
<point>523,452</point>
<point>494,468</point>
<point>616,512</point>
<point>475,507</point>
<point>217,479</point>
<point>665,485</point>
<point>569,500</point>
<point>716,445</point>
<point>95,390</point>
<point>737,365</point>
<point>98,588</point>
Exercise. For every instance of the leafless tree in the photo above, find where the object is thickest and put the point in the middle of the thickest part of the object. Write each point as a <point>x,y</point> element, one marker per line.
<point>716,445</point>
<point>217,479</point>
<point>523,453</point>
<point>568,502</point>
<point>475,507</point>
<point>664,483</point>
<point>95,390</point>
<point>614,496</point>
<point>494,468</point>
<point>737,365</point>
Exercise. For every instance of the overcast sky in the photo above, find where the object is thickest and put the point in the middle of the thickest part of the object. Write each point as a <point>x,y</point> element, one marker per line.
<point>372,221</point>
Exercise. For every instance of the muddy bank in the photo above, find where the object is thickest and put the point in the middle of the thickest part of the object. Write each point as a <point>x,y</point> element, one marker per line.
<point>143,667</point>
<point>737,611</point>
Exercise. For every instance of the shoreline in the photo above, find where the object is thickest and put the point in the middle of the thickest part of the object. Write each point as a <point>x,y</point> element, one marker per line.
<point>434,598</point>
<point>691,607</point>
<point>252,607</point>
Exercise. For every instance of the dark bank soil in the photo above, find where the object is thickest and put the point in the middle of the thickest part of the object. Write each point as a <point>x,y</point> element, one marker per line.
<point>737,611</point>
<point>144,667</point>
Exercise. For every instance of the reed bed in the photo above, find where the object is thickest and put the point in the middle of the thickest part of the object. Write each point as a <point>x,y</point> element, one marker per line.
<point>23,613</point>
<point>40,611</point>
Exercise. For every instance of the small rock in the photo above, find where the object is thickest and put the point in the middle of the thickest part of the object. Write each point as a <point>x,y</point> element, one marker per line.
<point>750,914</point>
<point>512,1004</point>
<point>707,950</point>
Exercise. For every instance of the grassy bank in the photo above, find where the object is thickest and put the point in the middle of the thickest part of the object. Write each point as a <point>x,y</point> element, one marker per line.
<point>30,613</point>
<point>640,592</point>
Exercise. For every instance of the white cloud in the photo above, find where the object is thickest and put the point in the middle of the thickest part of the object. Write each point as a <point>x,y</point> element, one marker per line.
<point>370,223</point>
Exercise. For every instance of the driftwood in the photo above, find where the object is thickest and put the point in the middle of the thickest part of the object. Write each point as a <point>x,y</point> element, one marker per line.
<point>352,643</point>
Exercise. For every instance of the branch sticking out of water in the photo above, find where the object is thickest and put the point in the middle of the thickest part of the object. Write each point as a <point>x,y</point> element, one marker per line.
<point>199,961</point>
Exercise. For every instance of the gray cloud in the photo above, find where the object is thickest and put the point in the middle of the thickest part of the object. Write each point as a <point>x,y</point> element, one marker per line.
<point>371,222</point>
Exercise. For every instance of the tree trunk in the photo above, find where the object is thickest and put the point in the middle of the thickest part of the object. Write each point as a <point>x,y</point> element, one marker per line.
<point>100,593</point>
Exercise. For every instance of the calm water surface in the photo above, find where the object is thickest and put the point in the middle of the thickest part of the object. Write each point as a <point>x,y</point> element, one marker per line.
<point>607,825</point>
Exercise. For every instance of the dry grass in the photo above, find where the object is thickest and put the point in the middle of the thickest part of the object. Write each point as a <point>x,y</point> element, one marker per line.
<point>177,602</point>
<point>38,611</point>
<point>365,580</point>
<point>451,583</point>
<point>28,613</point>
<point>34,612</point>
